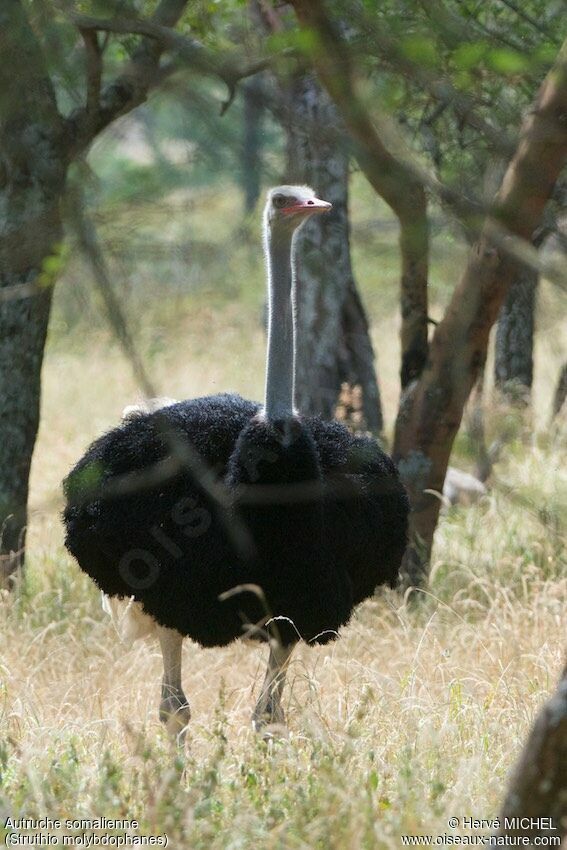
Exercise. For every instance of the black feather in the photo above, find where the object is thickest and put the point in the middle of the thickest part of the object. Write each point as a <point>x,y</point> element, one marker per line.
<point>317,519</point>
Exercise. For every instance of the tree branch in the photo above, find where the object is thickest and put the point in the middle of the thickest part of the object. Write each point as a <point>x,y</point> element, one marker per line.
<point>530,20</point>
<point>93,57</point>
<point>189,49</point>
<point>441,89</point>
<point>428,422</point>
<point>456,30</point>
<point>392,179</point>
<point>132,86</point>
<point>128,89</point>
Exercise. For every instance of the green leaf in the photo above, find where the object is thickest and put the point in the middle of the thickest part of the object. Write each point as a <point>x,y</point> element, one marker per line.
<point>420,49</point>
<point>53,264</point>
<point>507,61</point>
<point>305,41</point>
<point>469,55</point>
<point>545,54</point>
<point>85,480</point>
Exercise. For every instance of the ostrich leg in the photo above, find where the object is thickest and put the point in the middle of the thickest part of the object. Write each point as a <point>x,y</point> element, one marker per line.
<point>174,710</point>
<point>269,708</point>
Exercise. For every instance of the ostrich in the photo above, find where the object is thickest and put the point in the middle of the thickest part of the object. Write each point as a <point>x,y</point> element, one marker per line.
<point>219,518</point>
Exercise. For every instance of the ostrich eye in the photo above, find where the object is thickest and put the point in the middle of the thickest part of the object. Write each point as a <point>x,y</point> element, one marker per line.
<point>279,201</point>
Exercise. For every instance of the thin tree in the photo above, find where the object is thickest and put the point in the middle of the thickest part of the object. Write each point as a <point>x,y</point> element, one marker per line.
<point>37,146</point>
<point>336,348</point>
<point>513,357</point>
<point>251,159</point>
<point>560,394</point>
<point>431,410</point>
<point>335,357</point>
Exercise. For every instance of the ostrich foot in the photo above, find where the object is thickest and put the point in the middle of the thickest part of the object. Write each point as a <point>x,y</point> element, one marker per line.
<point>268,717</point>
<point>268,713</point>
<point>270,728</point>
<point>270,724</point>
<point>174,713</point>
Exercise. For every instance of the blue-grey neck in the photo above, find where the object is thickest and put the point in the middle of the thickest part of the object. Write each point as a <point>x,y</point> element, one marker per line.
<point>280,369</point>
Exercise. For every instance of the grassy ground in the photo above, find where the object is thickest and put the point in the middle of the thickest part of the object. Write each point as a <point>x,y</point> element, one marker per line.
<point>412,717</point>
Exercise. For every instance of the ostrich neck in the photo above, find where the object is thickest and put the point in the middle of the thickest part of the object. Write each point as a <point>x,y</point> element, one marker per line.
<point>280,369</point>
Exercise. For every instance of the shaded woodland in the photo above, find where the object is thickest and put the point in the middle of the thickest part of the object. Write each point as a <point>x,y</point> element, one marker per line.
<point>454,114</point>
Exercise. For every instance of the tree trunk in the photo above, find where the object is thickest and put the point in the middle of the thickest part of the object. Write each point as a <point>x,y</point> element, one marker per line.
<point>430,416</point>
<point>251,160</point>
<point>432,407</point>
<point>36,146</point>
<point>513,365</point>
<point>536,802</point>
<point>32,179</point>
<point>560,393</point>
<point>335,355</point>
<point>476,430</point>
<point>389,176</point>
<point>23,327</point>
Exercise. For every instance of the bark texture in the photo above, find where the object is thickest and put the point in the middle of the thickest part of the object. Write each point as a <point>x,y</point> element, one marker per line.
<point>514,364</point>
<point>335,358</point>
<point>32,179</point>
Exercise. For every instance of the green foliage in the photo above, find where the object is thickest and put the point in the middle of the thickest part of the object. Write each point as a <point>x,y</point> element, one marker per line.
<point>507,62</point>
<point>421,49</point>
<point>304,41</point>
<point>53,265</point>
<point>469,55</point>
<point>490,52</point>
<point>85,480</point>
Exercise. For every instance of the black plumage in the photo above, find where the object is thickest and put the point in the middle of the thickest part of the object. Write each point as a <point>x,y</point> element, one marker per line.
<point>314,516</point>
<point>225,518</point>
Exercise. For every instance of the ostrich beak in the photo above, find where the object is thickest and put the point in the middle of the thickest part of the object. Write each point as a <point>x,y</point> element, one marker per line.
<point>311,205</point>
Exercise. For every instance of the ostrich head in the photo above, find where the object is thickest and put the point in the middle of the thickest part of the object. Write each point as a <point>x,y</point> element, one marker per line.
<point>287,208</point>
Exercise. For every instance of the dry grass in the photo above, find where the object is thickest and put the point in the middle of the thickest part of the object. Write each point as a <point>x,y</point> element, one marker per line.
<point>413,716</point>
